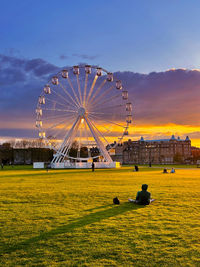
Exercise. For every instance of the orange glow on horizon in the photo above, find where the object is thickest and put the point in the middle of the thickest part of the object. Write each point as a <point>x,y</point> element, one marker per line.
<point>148,131</point>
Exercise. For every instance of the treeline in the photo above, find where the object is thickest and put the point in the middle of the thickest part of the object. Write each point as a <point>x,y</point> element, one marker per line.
<point>23,153</point>
<point>29,151</point>
<point>24,143</point>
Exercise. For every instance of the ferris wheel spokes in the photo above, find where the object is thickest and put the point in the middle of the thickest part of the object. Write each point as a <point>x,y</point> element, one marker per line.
<point>79,143</point>
<point>71,85</point>
<point>91,88</point>
<point>105,108</point>
<point>107,100</point>
<point>85,87</point>
<point>98,90</point>
<point>105,120</point>
<point>46,119</point>
<point>69,121</point>
<point>57,124</point>
<point>62,97</point>
<point>70,141</point>
<point>103,151</point>
<point>102,96</point>
<point>79,89</point>
<point>99,132</point>
<point>66,92</point>
<point>87,139</point>
<point>55,102</point>
<point>68,137</point>
<point>56,109</point>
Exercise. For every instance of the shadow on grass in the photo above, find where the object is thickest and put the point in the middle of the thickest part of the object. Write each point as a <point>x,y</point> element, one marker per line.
<point>78,223</point>
<point>39,172</point>
<point>52,172</point>
<point>100,207</point>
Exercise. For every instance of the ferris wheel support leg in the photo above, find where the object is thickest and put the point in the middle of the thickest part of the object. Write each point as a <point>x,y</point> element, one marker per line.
<point>58,156</point>
<point>103,151</point>
<point>70,140</point>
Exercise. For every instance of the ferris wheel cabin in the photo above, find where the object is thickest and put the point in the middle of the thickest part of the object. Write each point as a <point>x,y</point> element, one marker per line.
<point>124,95</point>
<point>119,85</point>
<point>65,74</point>
<point>99,72</point>
<point>54,80</point>
<point>42,135</point>
<point>129,118</point>
<point>47,89</point>
<point>38,123</point>
<point>88,69</point>
<point>110,77</point>
<point>38,111</point>
<point>128,107</point>
<point>41,100</point>
<point>125,132</point>
<point>76,70</point>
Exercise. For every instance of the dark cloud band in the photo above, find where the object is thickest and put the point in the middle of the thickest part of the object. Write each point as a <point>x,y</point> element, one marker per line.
<point>158,98</point>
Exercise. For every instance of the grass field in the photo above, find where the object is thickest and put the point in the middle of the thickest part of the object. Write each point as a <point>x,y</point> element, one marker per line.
<point>66,218</point>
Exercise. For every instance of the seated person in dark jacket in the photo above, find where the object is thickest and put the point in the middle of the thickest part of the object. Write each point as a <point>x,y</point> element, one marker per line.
<point>165,170</point>
<point>143,197</point>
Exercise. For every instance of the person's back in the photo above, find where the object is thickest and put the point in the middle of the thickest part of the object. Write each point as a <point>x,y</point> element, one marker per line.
<point>143,197</point>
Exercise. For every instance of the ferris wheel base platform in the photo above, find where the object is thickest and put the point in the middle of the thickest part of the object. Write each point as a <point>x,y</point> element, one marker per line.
<point>85,165</point>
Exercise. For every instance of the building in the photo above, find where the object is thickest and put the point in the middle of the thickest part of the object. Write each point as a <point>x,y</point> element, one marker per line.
<point>195,154</point>
<point>164,151</point>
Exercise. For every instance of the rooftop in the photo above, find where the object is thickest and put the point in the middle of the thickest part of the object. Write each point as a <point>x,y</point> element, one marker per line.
<point>159,140</point>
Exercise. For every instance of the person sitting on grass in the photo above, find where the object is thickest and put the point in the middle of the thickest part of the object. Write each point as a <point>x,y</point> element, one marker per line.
<point>136,168</point>
<point>165,170</point>
<point>172,170</point>
<point>143,197</point>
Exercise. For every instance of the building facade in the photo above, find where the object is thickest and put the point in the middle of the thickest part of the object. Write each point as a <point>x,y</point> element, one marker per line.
<point>164,151</point>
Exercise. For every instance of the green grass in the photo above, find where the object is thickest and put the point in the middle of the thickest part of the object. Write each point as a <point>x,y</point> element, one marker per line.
<point>66,218</point>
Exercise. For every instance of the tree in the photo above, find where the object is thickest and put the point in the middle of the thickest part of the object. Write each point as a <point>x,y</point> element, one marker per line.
<point>6,145</point>
<point>74,149</point>
<point>178,158</point>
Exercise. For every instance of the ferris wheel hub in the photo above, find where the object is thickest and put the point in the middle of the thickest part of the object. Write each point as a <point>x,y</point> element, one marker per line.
<point>81,111</point>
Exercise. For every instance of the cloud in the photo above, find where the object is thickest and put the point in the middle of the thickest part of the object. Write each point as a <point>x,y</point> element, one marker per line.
<point>21,81</point>
<point>39,67</point>
<point>63,57</point>
<point>84,56</point>
<point>159,98</point>
<point>11,51</point>
<point>11,61</point>
<point>164,97</point>
<point>9,76</point>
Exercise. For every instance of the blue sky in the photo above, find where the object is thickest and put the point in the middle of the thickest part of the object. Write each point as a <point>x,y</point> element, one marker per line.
<point>38,38</point>
<point>140,36</point>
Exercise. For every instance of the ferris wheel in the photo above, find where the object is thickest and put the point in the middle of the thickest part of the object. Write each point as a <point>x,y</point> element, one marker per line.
<point>81,111</point>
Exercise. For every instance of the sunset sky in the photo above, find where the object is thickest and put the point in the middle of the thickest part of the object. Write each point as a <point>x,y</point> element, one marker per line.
<point>152,46</point>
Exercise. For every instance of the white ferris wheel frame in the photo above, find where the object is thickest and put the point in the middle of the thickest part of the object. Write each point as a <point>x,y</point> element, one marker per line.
<point>81,101</point>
